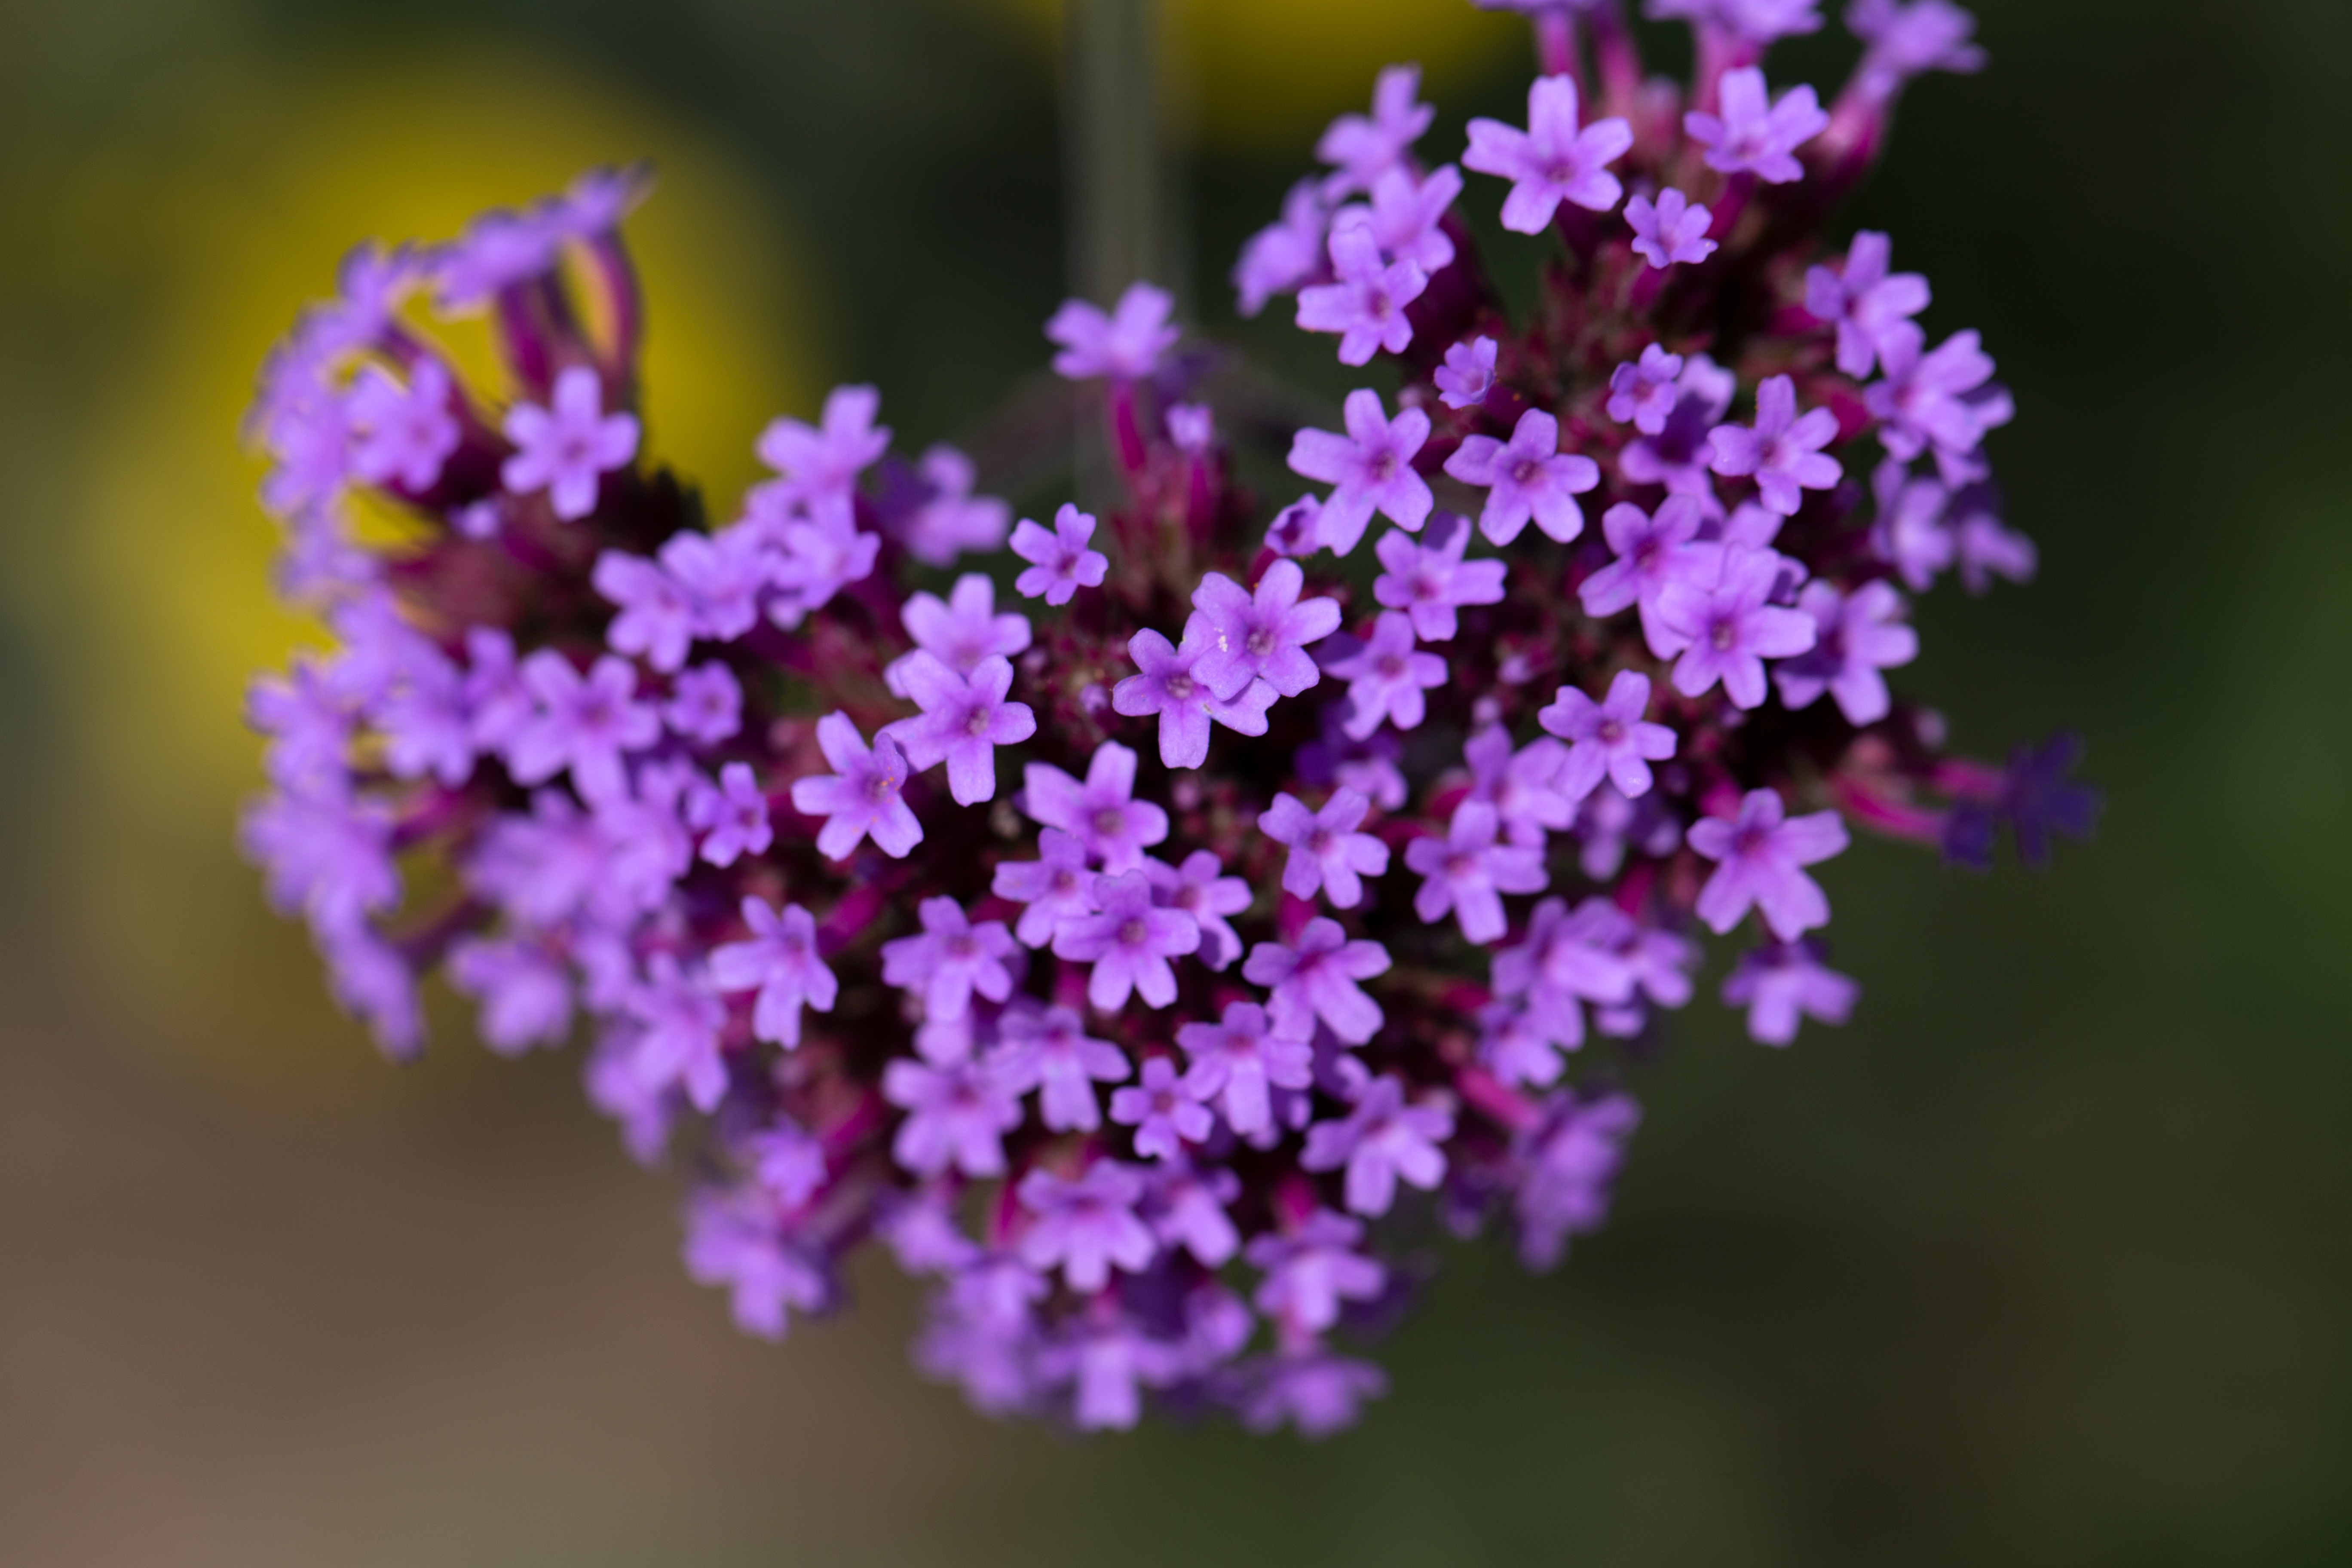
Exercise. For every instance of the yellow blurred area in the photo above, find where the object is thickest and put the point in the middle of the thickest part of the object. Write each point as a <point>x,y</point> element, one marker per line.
<point>169,607</point>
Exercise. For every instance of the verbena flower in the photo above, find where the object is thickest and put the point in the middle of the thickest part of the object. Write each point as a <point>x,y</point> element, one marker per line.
<point>722,795</point>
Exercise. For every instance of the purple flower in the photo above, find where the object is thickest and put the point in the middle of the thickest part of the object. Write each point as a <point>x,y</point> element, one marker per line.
<point>1569,1161</point>
<point>1101,814</point>
<point>1191,428</point>
<point>1863,301</point>
<point>706,705</point>
<point>1468,374</point>
<point>1528,476</point>
<point>1722,623</point>
<point>1551,161</point>
<point>1754,22</point>
<point>1430,580</point>
<point>1676,456</point>
<point>308,724</point>
<point>1782,451</point>
<point>1163,1111</point>
<point>961,632</point>
<point>1188,1210</point>
<point>1048,1050</point>
<point>965,718</point>
<point>1568,958</point>
<point>1522,785</point>
<point>736,1244</point>
<point>565,449</point>
<point>1608,739</point>
<point>401,435</point>
<point>1084,1227</point>
<point>1129,943</point>
<point>1283,254</point>
<point>1753,136</point>
<point>1386,678</point>
<point>1366,762</point>
<point>732,818</point>
<point>2040,799</point>
<point>1326,852</point>
<point>1297,529</point>
<point>1407,216</point>
<point>525,994</point>
<point>1108,1362</point>
<point>1317,979</point>
<point>951,959</point>
<point>820,465</point>
<point>1200,888</point>
<point>1061,564</point>
<point>1761,856</point>
<point>1362,148</point>
<point>657,618</point>
<point>1856,636</point>
<point>1644,394</point>
<point>787,1163</point>
<point>584,724</point>
<point>1366,304</point>
<point>1986,549</point>
<point>956,1116</point>
<point>1649,557</point>
<point>1184,701</point>
<point>1236,1062</point>
<point>817,559</point>
<point>1672,230</point>
<point>1520,1043</point>
<point>948,519</point>
<point>679,1023</point>
<point>1782,982</point>
<point>1910,40</point>
<point>1314,1392</point>
<point>861,796</point>
<point>779,961</point>
<point>1383,1140</point>
<point>1369,469</point>
<point>723,575</point>
<point>1261,636</point>
<point>1125,344</point>
<point>1467,872</point>
<point>1311,1268</point>
<point>1056,887</point>
<point>1937,400</point>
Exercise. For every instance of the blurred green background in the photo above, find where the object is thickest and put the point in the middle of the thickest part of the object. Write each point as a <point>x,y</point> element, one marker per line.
<point>2047,1259</point>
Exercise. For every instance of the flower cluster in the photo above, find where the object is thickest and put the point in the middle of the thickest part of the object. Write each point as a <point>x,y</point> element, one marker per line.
<point>1132,919</point>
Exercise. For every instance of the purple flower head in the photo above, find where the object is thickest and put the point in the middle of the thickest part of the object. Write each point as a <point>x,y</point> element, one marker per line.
<point>583,723</point>
<point>942,519</point>
<point>1088,1225</point>
<point>820,464</point>
<point>1911,533</point>
<point>723,575</point>
<point>962,632</point>
<point>1718,616</point>
<point>1552,161</point>
<point>1673,229</point>
<point>732,818</point>
<point>1643,392</point>
<point>1362,148</point>
<point>816,560</point>
<point>1650,557</point>
<point>951,959</point>
<point>1570,1158</point>
<point>567,449</point>
<point>1102,813</point>
<point>1608,739</point>
<point>1283,254</point>
<point>1188,1210</point>
<point>1061,564</point>
<point>1905,41</point>
<point>1863,301</point>
<point>1125,344</point>
<point>706,705</point>
<point>1369,469</point>
<point>1407,216</point>
<point>1467,872</point>
<point>310,725</point>
<point>1784,981</point>
<point>787,1163</point>
<point>861,796</point>
<point>1261,636</point>
<point>736,1243</point>
<point>1171,685</point>
<point>1760,855</point>
<point>1235,1063</point>
<point>1129,942</point>
<point>1316,1392</point>
<point>957,1117</point>
<point>1782,451</point>
<point>1430,581</point>
<point>780,962</point>
<point>1468,374</point>
<point>1568,958</point>
<point>1048,1050</point>
<point>1382,1141</point>
<point>1310,1270</point>
<point>1317,979</point>
<point>965,718</point>
<point>1856,636</point>
<point>526,994</point>
<point>1520,1043</point>
<point>497,250</point>
<point>1326,854</point>
<point>1163,1110</point>
<point>1365,304</point>
<point>1522,785</point>
<point>1056,887</point>
<point>401,435</point>
<point>1191,428</point>
<point>657,618</point>
<point>1753,135</point>
<point>679,1023</point>
<point>1386,678</point>
<point>1528,476</point>
<point>1937,400</point>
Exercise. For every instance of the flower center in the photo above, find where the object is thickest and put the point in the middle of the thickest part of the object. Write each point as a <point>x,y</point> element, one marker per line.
<point>1724,635</point>
<point>1179,685</point>
<point>976,721</point>
<point>1390,665</point>
<point>1131,932</point>
<point>1610,733</point>
<point>1526,471</point>
<point>960,948</point>
<point>1109,822</point>
<point>1260,642</point>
